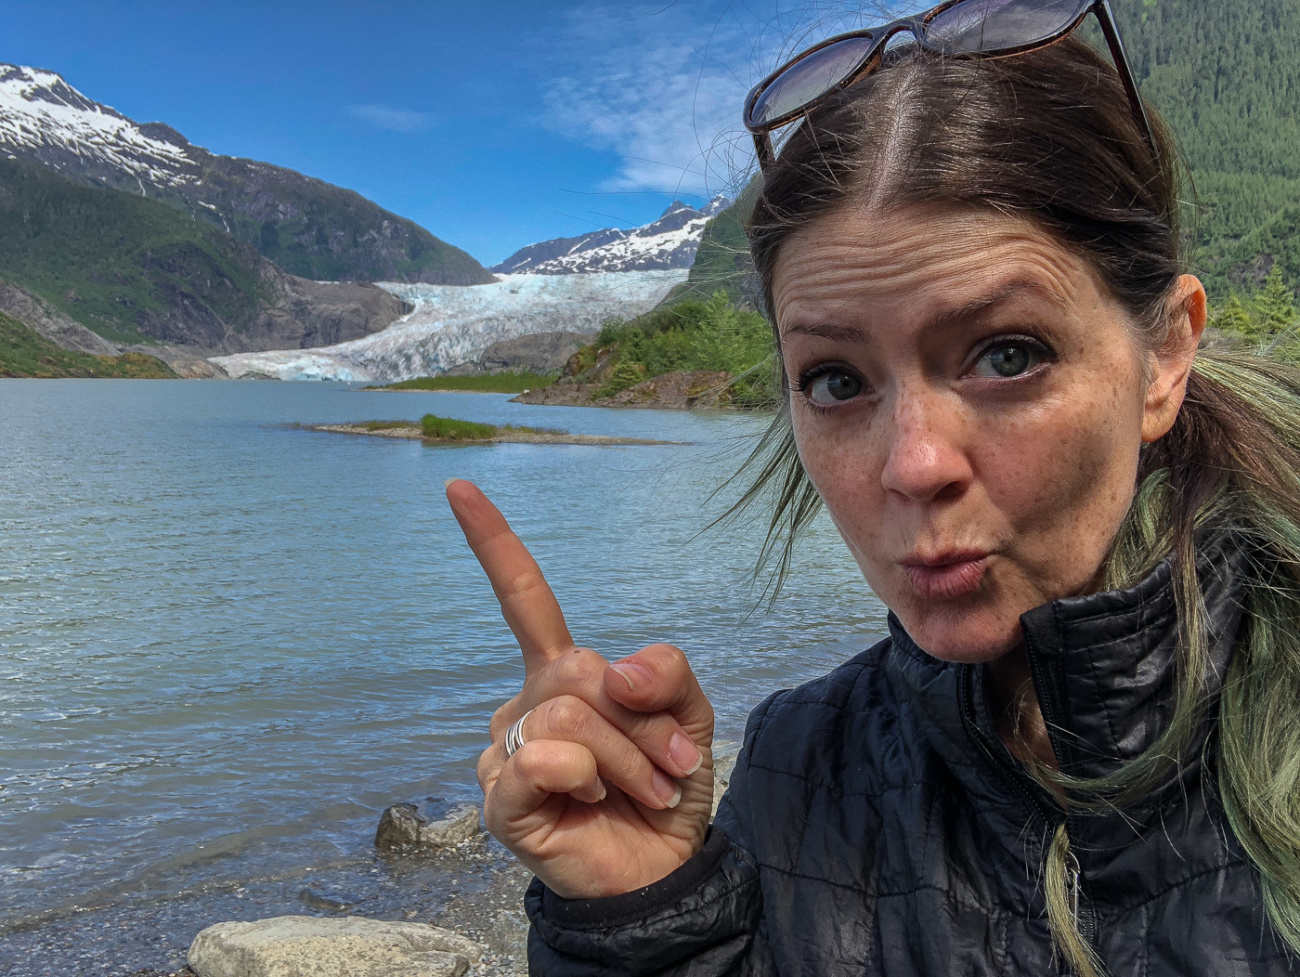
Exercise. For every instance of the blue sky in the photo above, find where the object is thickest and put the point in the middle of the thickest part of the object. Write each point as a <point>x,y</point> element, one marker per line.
<point>493,123</point>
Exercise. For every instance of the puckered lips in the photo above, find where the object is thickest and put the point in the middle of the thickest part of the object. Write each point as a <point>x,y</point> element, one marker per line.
<point>947,575</point>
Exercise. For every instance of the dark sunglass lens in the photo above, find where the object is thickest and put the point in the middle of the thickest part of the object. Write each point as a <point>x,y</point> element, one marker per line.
<point>978,26</point>
<point>808,78</point>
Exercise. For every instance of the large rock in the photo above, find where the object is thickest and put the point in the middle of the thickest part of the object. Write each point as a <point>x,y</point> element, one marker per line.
<point>543,352</point>
<point>186,364</point>
<point>406,826</point>
<point>724,762</point>
<point>303,946</point>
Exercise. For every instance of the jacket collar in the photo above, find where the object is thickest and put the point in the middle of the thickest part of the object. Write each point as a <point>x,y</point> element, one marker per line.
<point>1105,668</point>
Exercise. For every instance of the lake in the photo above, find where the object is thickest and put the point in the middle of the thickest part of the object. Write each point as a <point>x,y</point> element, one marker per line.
<point>227,643</point>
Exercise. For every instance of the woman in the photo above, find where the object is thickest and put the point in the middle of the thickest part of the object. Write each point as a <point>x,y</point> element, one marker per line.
<point>1078,751</point>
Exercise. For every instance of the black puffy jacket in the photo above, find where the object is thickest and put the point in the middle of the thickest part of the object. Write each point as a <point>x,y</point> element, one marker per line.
<point>876,823</point>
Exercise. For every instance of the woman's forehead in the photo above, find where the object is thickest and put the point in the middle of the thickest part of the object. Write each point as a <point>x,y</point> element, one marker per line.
<point>919,260</point>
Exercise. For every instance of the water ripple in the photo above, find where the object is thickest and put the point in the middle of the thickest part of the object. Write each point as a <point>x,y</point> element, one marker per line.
<point>226,642</point>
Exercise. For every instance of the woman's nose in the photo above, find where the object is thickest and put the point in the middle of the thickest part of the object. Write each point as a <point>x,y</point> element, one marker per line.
<point>926,458</point>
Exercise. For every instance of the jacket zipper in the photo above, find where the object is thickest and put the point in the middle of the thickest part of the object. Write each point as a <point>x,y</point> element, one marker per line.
<point>1085,918</point>
<point>1049,703</point>
<point>1081,906</point>
<point>1014,776</point>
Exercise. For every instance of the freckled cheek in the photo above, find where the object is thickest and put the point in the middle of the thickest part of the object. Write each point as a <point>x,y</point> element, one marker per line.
<point>1067,490</point>
<point>845,469</point>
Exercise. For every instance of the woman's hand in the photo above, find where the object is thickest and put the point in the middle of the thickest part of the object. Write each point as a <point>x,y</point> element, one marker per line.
<point>613,786</point>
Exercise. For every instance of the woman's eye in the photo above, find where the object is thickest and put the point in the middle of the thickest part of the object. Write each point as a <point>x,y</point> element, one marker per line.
<point>1007,360</point>
<point>833,387</point>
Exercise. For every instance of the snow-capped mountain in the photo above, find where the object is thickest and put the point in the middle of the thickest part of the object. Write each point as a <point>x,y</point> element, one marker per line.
<point>669,242</point>
<point>46,120</point>
<point>452,325</point>
<point>306,226</point>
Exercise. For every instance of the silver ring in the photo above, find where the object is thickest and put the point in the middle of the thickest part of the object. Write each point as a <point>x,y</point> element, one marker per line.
<point>515,735</point>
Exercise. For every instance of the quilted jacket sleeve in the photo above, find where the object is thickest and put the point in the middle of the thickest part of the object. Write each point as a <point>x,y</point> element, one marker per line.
<point>702,920</point>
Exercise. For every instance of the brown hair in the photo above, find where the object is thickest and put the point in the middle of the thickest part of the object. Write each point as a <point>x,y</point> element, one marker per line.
<point>1048,136</point>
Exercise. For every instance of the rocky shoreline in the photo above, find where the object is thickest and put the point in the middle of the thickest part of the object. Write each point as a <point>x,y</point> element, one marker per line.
<point>462,891</point>
<point>688,390</point>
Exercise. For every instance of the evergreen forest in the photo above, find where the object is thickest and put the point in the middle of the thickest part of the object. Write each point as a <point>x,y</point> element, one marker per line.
<point>1225,75</point>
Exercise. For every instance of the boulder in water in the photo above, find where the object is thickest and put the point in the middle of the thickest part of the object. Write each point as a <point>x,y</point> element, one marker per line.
<point>405,826</point>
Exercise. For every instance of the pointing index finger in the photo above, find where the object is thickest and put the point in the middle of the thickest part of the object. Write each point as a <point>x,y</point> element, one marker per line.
<point>527,602</point>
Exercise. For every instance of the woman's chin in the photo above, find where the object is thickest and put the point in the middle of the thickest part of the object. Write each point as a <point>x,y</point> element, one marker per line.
<point>958,632</point>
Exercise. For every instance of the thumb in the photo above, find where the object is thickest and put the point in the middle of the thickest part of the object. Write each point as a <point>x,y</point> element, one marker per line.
<point>659,679</point>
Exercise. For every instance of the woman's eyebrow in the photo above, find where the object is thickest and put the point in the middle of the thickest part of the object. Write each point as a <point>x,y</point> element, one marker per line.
<point>946,319</point>
<point>826,330</point>
<point>976,307</point>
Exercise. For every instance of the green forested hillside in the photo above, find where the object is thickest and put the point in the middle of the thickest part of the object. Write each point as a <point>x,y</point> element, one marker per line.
<point>1226,75</point>
<point>722,262</point>
<point>115,262</point>
<point>317,230</point>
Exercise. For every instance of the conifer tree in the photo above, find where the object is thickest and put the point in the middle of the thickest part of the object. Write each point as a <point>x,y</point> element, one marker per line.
<point>1235,319</point>
<point>1274,306</point>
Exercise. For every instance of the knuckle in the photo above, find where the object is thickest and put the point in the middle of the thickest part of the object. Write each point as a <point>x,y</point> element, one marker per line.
<point>667,659</point>
<point>489,763</point>
<point>567,715</point>
<point>579,668</point>
<point>529,762</point>
<point>504,716</point>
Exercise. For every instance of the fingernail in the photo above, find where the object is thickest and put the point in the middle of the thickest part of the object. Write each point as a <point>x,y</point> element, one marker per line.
<point>603,792</point>
<point>665,789</point>
<point>685,753</point>
<point>447,482</point>
<point>636,676</point>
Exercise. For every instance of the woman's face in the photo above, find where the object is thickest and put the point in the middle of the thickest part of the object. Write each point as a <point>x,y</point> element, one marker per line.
<point>969,402</point>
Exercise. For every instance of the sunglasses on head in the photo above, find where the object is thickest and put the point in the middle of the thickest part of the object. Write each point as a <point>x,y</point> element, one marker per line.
<point>957,28</point>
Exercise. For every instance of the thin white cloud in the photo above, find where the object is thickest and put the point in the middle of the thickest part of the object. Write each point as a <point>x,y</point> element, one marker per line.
<point>662,86</point>
<point>387,117</point>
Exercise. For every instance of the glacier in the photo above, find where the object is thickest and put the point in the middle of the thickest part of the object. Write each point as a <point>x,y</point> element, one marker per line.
<point>453,324</point>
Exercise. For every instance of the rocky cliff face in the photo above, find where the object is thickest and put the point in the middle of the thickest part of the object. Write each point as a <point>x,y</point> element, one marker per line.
<point>49,323</point>
<point>293,313</point>
<point>669,242</point>
<point>304,313</point>
<point>308,227</point>
<point>543,352</point>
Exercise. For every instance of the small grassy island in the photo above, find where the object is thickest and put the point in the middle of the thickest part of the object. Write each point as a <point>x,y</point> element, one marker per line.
<point>448,430</point>
<point>487,383</point>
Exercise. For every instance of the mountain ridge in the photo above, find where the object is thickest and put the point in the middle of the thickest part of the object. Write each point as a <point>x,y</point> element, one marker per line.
<point>137,272</point>
<point>670,241</point>
<point>307,226</point>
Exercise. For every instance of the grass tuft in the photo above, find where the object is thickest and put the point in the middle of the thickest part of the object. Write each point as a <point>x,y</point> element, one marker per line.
<point>450,429</point>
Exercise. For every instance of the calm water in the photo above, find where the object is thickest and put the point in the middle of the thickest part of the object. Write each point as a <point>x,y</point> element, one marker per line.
<point>227,643</point>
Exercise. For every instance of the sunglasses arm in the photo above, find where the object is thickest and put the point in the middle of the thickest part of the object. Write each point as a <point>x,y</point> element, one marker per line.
<point>1106,18</point>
